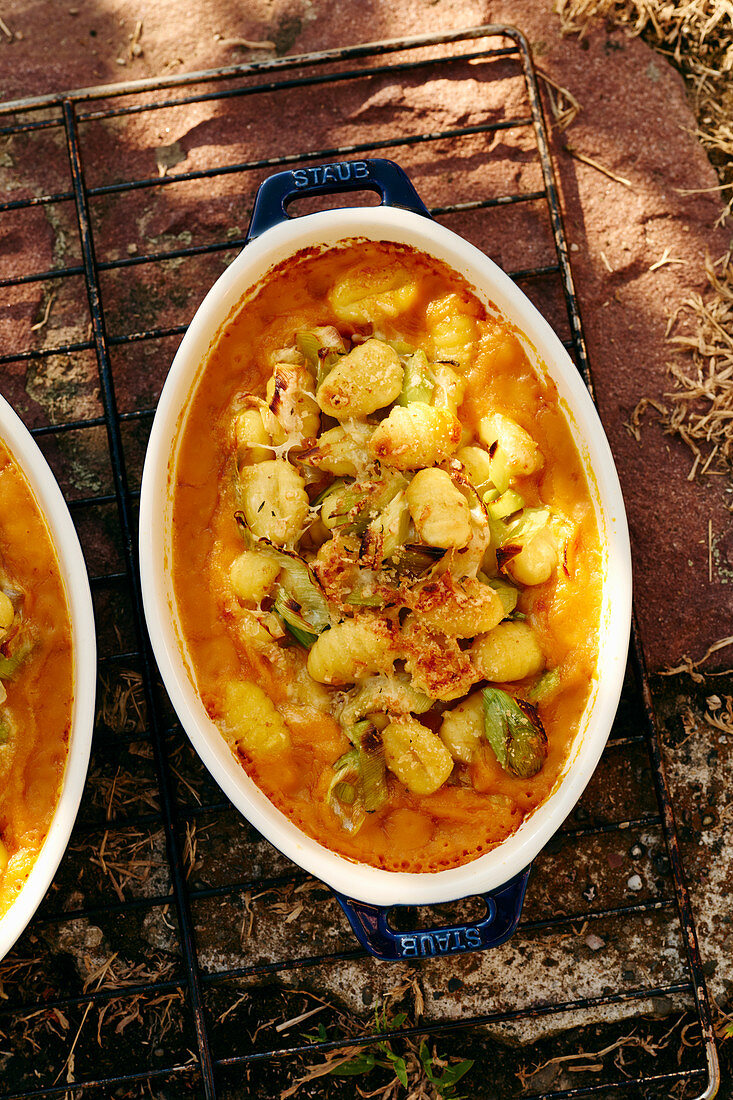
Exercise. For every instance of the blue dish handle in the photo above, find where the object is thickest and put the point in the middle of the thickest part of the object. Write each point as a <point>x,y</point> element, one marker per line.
<point>370,923</point>
<point>384,177</point>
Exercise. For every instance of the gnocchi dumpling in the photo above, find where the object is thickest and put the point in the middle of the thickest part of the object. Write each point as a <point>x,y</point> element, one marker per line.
<point>414,436</point>
<point>439,510</point>
<point>462,728</point>
<point>252,575</point>
<point>291,396</point>
<point>436,663</point>
<point>454,331</point>
<point>274,499</point>
<point>470,608</point>
<point>476,465</point>
<point>449,389</point>
<point>252,722</point>
<point>341,450</point>
<point>416,755</point>
<point>511,651</point>
<point>522,453</point>
<point>382,694</point>
<point>351,651</point>
<point>535,562</point>
<point>367,379</point>
<point>7,613</point>
<point>256,432</point>
<point>257,628</point>
<point>366,293</point>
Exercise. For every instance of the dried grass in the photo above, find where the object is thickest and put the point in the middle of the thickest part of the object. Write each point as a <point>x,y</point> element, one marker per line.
<point>129,858</point>
<point>408,997</point>
<point>719,713</point>
<point>699,410</point>
<point>691,667</point>
<point>121,703</point>
<point>116,792</point>
<point>591,1061</point>
<point>564,106</point>
<point>697,37</point>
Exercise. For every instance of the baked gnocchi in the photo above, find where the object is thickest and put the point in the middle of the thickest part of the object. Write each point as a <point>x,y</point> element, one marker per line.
<point>394,545</point>
<point>36,678</point>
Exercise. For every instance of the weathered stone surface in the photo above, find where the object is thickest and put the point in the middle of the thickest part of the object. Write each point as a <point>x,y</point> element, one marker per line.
<point>635,121</point>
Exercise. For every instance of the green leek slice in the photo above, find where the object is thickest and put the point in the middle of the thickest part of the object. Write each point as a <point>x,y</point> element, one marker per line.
<point>290,612</point>
<point>326,365</point>
<point>309,346</point>
<point>368,763</point>
<point>352,507</point>
<point>386,532</point>
<point>418,383</point>
<point>22,648</point>
<point>400,347</point>
<point>349,810</point>
<point>506,592</point>
<point>363,598</point>
<point>505,505</point>
<point>515,732</point>
<point>499,467</point>
<point>345,792</point>
<point>414,559</point>
<point>373,770</point>
<point>546,686</point>
<point>296,579</point>
<point>527,525</point>
<point>300,584</point>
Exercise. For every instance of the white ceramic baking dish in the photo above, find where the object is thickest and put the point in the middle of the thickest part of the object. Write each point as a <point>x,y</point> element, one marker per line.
<point>273,238</point>
<point>52,505</point>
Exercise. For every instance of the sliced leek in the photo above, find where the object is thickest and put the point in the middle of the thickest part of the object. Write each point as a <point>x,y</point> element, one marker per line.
<point>505,505</point>
<point>359,784</point>
<point>515,732</point>
<point>373,770</point>
<point>309,346</point>
<point>296,579</point>
<point>499,466</point>
<point>290,612</point>
<point>350,809</point>
<point>418,383</point>
<point>547,685</point>
<point>22,648</point>
<point>506,592</point>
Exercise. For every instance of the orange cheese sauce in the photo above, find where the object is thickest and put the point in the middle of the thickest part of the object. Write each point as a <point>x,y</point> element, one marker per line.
<point>460,821</point>
<point>35,717</point>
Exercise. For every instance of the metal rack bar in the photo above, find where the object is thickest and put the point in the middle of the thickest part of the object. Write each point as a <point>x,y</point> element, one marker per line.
<point>280,85</point>
<point>302,157</point>
<point>193,980</point>
<point>239,242</point>
<point>252,68</point>
<point>104,1082</point>
<point>447,1027</point>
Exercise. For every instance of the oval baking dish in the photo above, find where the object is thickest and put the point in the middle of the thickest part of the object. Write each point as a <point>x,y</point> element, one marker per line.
<point>52,510</point>
<point>367,892</point>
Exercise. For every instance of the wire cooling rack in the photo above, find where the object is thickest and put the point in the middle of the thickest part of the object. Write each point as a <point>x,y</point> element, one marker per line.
<point>176,953</point>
